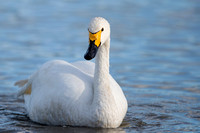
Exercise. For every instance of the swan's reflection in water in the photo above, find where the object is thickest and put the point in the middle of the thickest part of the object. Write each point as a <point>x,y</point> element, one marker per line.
<point>81,130</point>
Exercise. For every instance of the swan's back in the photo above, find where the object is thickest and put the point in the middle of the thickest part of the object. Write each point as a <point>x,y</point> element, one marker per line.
<point>85,66</point>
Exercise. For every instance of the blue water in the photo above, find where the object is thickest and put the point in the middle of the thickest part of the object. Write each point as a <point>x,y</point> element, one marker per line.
<point>155,57</point>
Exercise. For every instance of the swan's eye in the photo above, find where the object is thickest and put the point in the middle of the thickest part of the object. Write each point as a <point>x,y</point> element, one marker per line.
<point>102,29</point>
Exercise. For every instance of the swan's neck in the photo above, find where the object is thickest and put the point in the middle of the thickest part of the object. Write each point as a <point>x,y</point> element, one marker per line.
<point>102,63</point>
<point>102,89</point>
<point>105,109</point>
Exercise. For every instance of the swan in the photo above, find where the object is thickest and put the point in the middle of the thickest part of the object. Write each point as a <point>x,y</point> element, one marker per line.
<point>80,93</point>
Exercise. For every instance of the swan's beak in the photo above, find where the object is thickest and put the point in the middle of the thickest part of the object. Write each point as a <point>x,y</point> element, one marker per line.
<point>95,42</point>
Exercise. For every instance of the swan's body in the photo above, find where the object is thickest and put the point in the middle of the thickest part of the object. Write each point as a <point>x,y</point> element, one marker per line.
<point>78,94</point>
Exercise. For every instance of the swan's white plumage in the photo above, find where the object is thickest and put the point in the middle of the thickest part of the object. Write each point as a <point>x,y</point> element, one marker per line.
<point>80,93</point>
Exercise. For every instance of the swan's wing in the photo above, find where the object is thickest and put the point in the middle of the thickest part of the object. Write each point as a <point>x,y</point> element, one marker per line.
<point>85,66</point>
<point>56,88</point>
<point>26,85</point>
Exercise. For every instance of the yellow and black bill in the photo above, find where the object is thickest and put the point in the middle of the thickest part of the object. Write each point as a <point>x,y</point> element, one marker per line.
<point>95,42</point>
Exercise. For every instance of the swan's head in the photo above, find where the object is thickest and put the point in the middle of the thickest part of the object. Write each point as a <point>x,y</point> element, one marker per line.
<point>99,32</point>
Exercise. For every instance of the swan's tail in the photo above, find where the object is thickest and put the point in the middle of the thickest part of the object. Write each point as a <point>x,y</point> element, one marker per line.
<point>21,83</point>
<point>25,86</point>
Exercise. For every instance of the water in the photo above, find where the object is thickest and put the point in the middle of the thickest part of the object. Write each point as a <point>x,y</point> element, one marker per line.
<point>155,57</point>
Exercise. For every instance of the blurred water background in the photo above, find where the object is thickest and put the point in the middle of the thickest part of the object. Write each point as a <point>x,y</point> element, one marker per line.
<point>155,57</point>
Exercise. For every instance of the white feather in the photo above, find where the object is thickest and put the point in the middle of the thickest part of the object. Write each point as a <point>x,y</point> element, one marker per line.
<point>78,94</point>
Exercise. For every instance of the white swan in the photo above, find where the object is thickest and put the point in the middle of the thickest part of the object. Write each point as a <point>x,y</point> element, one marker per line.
<point>80,93</point>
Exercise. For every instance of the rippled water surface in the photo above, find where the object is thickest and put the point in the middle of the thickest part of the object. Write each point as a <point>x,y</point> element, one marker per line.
<point>155,57</point>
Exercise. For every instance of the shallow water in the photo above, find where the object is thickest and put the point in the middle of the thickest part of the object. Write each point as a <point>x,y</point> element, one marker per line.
<point>155,57</point>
